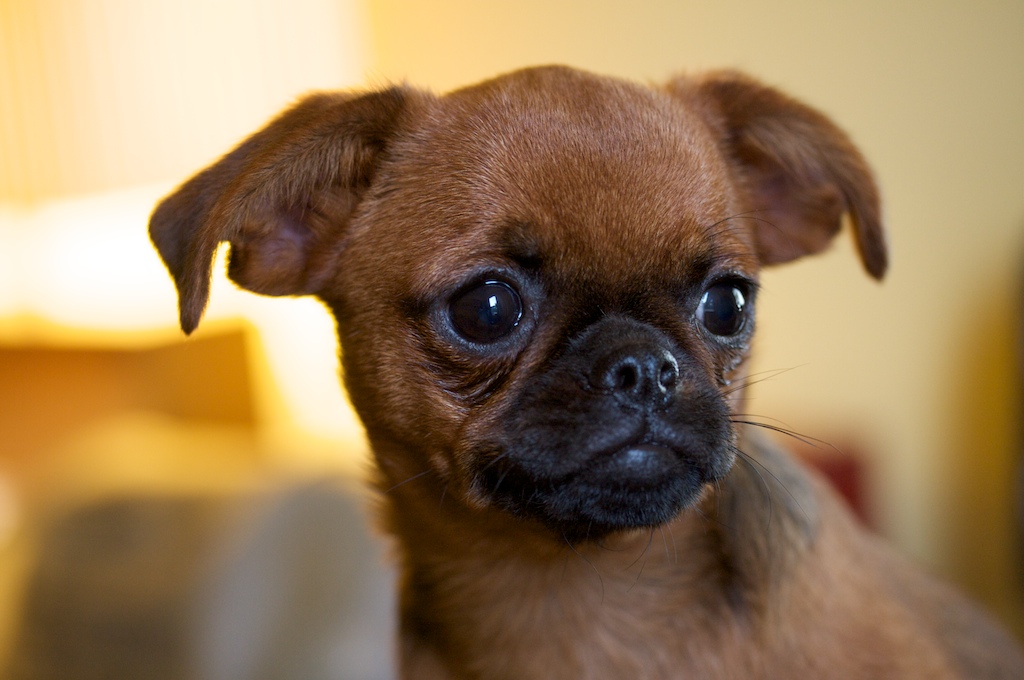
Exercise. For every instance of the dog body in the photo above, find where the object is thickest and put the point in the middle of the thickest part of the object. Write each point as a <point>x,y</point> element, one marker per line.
<point>544,288</point>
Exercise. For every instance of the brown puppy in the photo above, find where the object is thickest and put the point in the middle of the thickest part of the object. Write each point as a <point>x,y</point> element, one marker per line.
<point>544,288</point>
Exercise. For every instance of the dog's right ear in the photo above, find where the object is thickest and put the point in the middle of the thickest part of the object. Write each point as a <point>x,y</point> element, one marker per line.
<point>799,170</point>
<point>280,198</point>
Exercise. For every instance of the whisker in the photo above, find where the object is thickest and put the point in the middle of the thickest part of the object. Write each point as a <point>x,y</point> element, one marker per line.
<point>804,439</point>
<point>495,459</point>
<point>750,459</point>
<point>756,415</point>
<point>491,462</point>
<point>761,376</point>
<point>407,480</point>
<point>583,557</point>
<point>644,554</point>
<point>751,215</point>
<point>724,222</point>
<point>501,479</point>
<point>705,519</point>
<point>674,555</point>
<point>750,462</point>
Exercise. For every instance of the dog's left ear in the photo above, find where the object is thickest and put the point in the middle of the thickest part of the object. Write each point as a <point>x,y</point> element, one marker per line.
<point>281,198</point>
<point>801,172</point>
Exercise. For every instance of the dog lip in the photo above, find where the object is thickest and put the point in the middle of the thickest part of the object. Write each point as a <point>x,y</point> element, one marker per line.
<point>644,455</point>
<point>642,463</point>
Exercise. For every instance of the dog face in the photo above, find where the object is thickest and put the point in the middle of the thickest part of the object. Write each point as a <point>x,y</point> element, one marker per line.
<point>568,305</point>
<point>544,284</point>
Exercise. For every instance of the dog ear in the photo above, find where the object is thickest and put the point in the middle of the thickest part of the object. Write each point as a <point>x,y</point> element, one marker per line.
<point>802,172</point>
<point>280,198</point>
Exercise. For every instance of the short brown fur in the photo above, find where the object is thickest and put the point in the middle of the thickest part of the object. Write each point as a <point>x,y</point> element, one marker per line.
<point>611,209</point>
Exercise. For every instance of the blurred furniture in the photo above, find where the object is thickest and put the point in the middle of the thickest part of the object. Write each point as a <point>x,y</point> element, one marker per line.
<point>159,534</point>
<point>279,585</point>
<point>49,392</point>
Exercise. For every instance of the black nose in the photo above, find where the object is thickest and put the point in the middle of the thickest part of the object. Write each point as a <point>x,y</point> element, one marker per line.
<point>637,374</point>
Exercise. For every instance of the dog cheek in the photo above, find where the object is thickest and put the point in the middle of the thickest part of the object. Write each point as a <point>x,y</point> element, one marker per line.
<point>389,382</point>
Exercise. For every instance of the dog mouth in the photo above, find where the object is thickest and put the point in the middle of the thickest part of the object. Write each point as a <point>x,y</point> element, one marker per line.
<point>642,483</point>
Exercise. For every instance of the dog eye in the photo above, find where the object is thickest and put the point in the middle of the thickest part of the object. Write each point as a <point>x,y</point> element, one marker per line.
<point>722,309</point>
<point>486,313</point>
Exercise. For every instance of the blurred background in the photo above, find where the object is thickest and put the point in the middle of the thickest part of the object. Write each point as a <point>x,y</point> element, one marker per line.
<point>137,463</point>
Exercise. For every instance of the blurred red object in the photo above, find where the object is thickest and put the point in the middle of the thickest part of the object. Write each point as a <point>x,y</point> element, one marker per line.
<point>844,468</point>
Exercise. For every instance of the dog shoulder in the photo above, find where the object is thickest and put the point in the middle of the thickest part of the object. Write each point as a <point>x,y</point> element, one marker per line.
<point>787,532</point>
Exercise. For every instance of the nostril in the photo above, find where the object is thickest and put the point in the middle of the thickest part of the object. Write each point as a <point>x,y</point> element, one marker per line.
<point>627,376</point>
<point>669,373</point>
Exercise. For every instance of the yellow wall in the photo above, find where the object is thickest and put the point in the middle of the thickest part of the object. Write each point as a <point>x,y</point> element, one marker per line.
<point>100,94</point>
<point>919,370</point>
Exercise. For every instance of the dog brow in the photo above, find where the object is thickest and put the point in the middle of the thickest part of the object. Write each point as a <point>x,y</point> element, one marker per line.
<point>700,266</point>
<point>521,246</point>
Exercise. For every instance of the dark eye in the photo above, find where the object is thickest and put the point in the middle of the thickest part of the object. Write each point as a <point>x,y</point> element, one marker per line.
<point>486,313</point>
<point>723,308</point>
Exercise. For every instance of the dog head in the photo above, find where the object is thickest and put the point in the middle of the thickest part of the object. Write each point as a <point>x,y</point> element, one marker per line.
<point>544,284</point>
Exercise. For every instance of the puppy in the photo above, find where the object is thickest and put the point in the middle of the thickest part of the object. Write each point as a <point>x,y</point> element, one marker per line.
<point>544,288</point>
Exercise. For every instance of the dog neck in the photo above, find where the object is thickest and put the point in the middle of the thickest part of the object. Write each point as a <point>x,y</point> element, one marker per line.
<point>475,577</point>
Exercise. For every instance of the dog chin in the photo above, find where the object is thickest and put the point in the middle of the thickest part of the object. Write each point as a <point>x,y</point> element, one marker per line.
<point>636,486</point>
